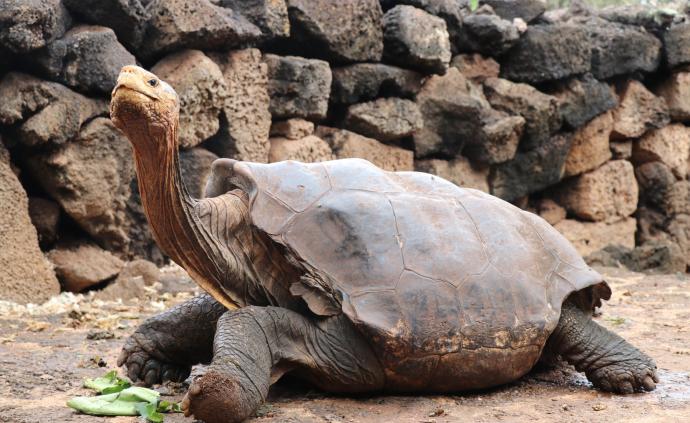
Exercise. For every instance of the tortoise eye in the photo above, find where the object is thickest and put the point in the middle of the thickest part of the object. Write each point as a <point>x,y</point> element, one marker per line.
<point>153,82</point>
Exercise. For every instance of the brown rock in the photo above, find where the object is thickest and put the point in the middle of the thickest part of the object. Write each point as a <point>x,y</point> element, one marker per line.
<point>308,150</point>
<point>621,150</point>
<point>27,25</point>
<point>245,120</point>
<point>476,67</point>
<point>148,272</point>
<point>292,129</point>
<point>131,281</point>
<point>202,91</point>
<point>590,147</point>
<point>25,275</point>
<point>385,119</point>
<point>608,193</point>
<point>458,171</point>
<point>84,265</point>
<point>655,181</point>
<point>45,216</point>
<point>638,111</point>
<point>588,237</point>
<point>583,98</point>
<point>497,140</point>
<point>669,145</point>
<point>195,165</point>
<point>679,231</point>
<point>677,200</point>
<point>550,211</point>
<point>676,91</point>
<point>346,144</point>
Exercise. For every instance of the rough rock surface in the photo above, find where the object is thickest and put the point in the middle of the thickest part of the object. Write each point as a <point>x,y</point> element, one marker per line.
<point>621,149</point>
<point>550,211</point>
<point>25,275</point>
<point>366,81</point>
<point>656,181</point>
<point>88,58</point>
<point>669,145</point>
<point>497,139</point>
<point>621,49</point>
<point>385,119</point>
<point>458,171</point>
<point>638,111</point>
<point>298,87</point>
<point>50,112</point>
<point>344,31</point>
<point>194,24</point>
<point>532,170</point>
<point>308,149</point>
<point>527,10</point>
<point>27,25</point>
<point>90,178</point>
<point>413,38</point>
<point>45,216</point>
<point>271,16</point>
<point>676,91</point>
<point>581,99</point>
<point>346,144</point>
<point>201,87</point>
<point>542,117</point>
<point>590,147</point>
<point>488,34</point>
<point>589,237</point>
<point>195,165</point>
<point>292,129</point>
<point>677,45</point>
<point>548,53</point>
<point>606,194</point>
<point>245,118</point>
<point>83,265</point>
<point>476,67</point>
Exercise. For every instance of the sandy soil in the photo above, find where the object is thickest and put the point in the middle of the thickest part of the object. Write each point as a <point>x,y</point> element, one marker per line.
<point>46,351</point>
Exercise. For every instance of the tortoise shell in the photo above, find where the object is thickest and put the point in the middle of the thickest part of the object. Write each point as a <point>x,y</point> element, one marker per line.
<point>454,288</point>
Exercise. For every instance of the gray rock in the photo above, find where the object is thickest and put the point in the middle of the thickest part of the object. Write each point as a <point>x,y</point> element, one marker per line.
<point>127,18</point>
<point>638,111</point>
<point>416,39</point>
<point>87,58</point>
<point>655,180</point>
<point>292,129</point>
<point>298,87</point>
<point>45,216</point>
<point>344,31</point>
<point>654,19</point>
<point>270,16</point>
<point>531,171</point>
<point>27,25</point>
<point>497,139</point>
<point>459,171</point>
<point>583,98</point>
<point>476,67</point>
<point>527,10</point>
<point>195,165</point>
<point>367,81</point>
<point>677,45</point>
<point>385,119</point>
<point>488,34</point>
<point>548,53</point>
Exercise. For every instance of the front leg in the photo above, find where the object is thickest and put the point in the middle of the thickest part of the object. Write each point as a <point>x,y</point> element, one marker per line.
<point>166,345</point>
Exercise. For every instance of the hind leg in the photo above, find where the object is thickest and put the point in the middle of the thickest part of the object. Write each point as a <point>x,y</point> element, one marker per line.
<point>255,346</point>
<point>166,346</point>
<point>610,362</point>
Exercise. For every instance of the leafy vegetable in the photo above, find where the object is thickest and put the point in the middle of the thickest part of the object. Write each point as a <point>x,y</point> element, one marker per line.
<point>474,4</point>
<point>150,412</point>
<point>108,383</point>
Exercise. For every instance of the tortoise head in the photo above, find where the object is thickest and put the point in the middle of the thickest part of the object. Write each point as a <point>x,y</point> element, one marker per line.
<point>146,109</point>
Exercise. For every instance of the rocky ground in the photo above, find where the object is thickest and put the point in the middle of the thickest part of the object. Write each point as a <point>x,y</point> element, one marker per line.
<point>46,351</point>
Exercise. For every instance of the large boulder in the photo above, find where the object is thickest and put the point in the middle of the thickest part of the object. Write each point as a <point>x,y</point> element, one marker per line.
<point>298,87</point>
<point>669,145</point>
<point>201,87</point>
<point>45,111</point>
<point>606,194</point>
<point>459,171</point>
<point>308,149</point>
<point>532,170</point>
<point>548,53</point>
<point>621,49</point>
<point>195,166</point>
<point>542,117</point>
<point>25,275</point>
<point>245,118</point>
<point>385,119</point>
<point>589,237</point>
<point>344,31</point>
<point>127,18</point>
<point>677,45</point>
<point>590,146</point>
<point>676,91</point>
<point>83,265</point>
<point>416,39</point>
<point>194,24</point>
<point>27,25</point>
<point>527,10</point>
<point>367,81</point>
<point>271,16</point>
<point>487,34</point>
<point>87,58</point>
<point>582,98</point>
<point>346,144</point>
<point>638,111</point>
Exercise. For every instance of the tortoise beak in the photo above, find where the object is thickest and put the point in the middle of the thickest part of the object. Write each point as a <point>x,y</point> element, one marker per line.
<point>132,78</point>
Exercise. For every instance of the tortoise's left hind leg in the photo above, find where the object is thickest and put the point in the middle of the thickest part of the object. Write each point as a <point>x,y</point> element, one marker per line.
<point>609,361</point>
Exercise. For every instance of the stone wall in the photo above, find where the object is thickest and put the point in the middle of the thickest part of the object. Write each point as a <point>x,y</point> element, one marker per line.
<point>576,115</point>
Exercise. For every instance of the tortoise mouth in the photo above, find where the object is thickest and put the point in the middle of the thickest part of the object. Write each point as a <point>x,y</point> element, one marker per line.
<point>123,93</point>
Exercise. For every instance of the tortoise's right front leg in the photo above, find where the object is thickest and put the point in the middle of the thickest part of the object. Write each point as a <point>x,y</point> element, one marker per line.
<point>166,346</point>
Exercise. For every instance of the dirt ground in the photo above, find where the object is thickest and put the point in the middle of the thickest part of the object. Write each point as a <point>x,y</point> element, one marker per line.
<point>46,351</point>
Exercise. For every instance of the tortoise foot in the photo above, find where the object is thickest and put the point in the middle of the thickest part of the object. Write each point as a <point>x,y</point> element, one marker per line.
<point>626,377</point>
<point>215,398</point>
<point>143,366</point>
